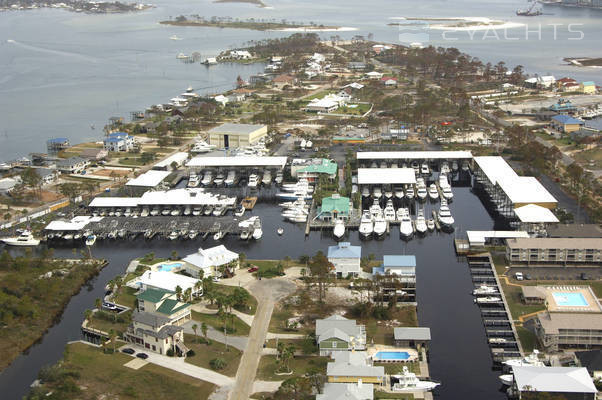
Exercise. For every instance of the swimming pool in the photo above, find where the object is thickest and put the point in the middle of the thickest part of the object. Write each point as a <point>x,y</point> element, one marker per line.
<point>392,355</point>
<point>569,299</point>
<point>169,267</point>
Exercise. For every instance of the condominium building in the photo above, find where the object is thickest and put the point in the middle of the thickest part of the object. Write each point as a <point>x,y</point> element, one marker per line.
<point>559,251</point>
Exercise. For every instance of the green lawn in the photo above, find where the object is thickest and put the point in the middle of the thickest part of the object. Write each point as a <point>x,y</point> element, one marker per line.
<point>240,328</point>
<point>299,365</point>
<point>527,339</point>
<point>396,368</point>
<point>385,396</point>
<point>382,334</point>
<point>517,307</point>
<point>205,353</point>
<point>105,325</point>
<point>251,304</point>
<point>104,376</point>
<point>126,297</point>
<point>131,161</point>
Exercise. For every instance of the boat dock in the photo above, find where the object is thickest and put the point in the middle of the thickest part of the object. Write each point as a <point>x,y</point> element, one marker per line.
<point>499,326</point>
<point>249,202</point>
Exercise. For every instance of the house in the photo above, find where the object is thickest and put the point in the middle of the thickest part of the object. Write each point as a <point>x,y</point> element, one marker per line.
<point>231,135</point>
<point>346,391</point>
<point>397,265</point>
<point>334,207</point>
<point>592,360</point>
<point>398,277</point>
<point>48,175</point>
<point>566,123</point>
<point>156,323</point>
<point>259,79</point>
<point>168,281</point>
<point>338,334</point>
<point>236,97</point>
<point>312,168</point>
<point>72,165</point>
<point>328,103</point>
<point>565,382</point>
<point>318,58</point>
<point>240,55</point>
<point>7,185</point>
<point>588,87</point>
<point>221,99</point>
<point>210,260</point>
<point>346,259</point>
<point>356,66</point>
<point>388,81</point>
<point>94,154</point>
<point>412,337</point>
<point>563,106</point>
<point>284,80</point>
<point>374,75</point>
<point>379,48</point>
<point>118,141</point>
<point>354,367</point>
<point>532,295</point>
<point>354,86</point>
<point>57,144</point>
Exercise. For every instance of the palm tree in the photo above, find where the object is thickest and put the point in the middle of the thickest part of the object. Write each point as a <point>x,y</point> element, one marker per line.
<point>113,338</point>
<point>188,294</point>
<point>204,331</point>
<point>178,292</point>
<point>194,328</point>
<point>88,314</point>
<point>197,285</point>
<point>98,303</point>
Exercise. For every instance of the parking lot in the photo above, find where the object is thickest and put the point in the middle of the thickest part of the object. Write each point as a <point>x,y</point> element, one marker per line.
<point>556,273</point>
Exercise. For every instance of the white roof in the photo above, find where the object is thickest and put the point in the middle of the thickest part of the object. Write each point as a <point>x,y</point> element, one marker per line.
<point>76,224</point>
<point>115,202</point>
<point>371,176</point>
<point>409,155</point>
<point>478,237</point>
<point>166,280</point>
<point>495,168</point>
<point>214,256</point>
<point>526,189</point>
<point>149,179</point>
<point>554,379</point>
<point>532,213</point>
<point>186,196</point>
<point>239,161</point>
<point>179,158</point>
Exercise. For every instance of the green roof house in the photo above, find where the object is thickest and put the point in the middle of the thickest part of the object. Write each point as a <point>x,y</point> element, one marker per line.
<point>334,207</point>
<point>312,168</point>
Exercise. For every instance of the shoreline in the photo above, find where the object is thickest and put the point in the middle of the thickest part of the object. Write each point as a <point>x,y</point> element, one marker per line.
<point>258,26</point>
<point>584,62</point>
<point>458,24</point>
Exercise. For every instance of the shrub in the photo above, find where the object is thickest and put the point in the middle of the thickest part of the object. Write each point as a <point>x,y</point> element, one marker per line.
<point>190,353</point>
<point>169,353</point>
<point>217,363</point>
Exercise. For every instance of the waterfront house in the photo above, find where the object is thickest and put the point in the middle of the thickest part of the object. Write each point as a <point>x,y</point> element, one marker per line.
<point>72,165</point>
<point>569,330</point>
<point>403,266</point>
<point>240,55</point>
<point>554,251</point>
<point>168,281</point>
<point>356,66</point>
<point>412,337</point>
<point>588,87</point>
<point>398,277</point>
<point>221,99</point>
<point>338,334</point>
<point>354,367</point>
<point>94,154</point>
<point>118,141</point>
<point>327,104</point>
<point>57,144</point>
<point>230,135</point>
<point>566,123</point>
<point>7,185</point>
<point>312,168</point>
<point>334,207</point>
<point>210,260</point>
<point>346,391</point>
<point>47,175</point>
<point>284,80</point>
<point>563,106</point>
<point>164,303</point>
<point>564,382</point>
<point>346,259</point>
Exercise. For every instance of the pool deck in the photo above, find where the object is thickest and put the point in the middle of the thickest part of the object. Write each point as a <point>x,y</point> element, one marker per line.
<point>372,350</point>
<point>592,302</point>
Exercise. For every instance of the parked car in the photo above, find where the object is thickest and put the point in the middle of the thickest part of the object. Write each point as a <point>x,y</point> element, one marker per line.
<point>253,269</point>
<point>109,306</point>
<point>527,277</point>
<point>143,356</point>
<point>128,350</point>
<point>519,276</point>
<point>584,277</point>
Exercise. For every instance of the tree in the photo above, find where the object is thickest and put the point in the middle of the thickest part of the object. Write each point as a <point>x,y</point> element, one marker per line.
<point>304,259</point>
<point>188,294</point>
<point>31,178</point>
<point>174,255</point>
<point>204,331</point>
<point>178,292</point>
<point>194,328</point>
<point>70,190</point>
<point>98,303</point>
<point>320,268</point>
<point>113,338</point>
<point>88,314</point>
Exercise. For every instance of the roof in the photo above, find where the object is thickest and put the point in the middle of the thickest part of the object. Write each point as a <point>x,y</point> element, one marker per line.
<point>567,120</point>
<point>399,261</point>
<point>411,333</point>
<point>575,230</point>
<point>113,139</point>
<point>214,256</point>
<point>589,83</point>
<point>185,196</point>
<point>350,367</point>
<point>171,306</point>
<point>410,155</point>
<point>166,280</point>
<point>178,158</point>
<point>336,326</point>
<point>149,319</point>
<point>532,213</point>
<point>495,168</point>
<point>344,250</point>
<point>283,78</point>
<point>126,202</point>
<point>118,134</point>
<point>555,243</point>
<point>554,379</point>
<point>8,183</point>
<point>371,176</point>
<point>553,322</point>
<point>153,295</point>
<point>479,237</point>
<point>70,161</point>
<point>76,224</point>
<point>338,204</point>
<point>533,292</point>
<point>238,161</point>
<point>324,167</point>
<point>346,391</point>
<point>63,140</point>
<point>149,179</point>
<point>239,129</point>
<point>592,360</point>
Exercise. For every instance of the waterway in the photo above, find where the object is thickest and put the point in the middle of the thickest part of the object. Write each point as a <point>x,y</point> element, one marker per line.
<point>459,353</point>
<point>62,72</point>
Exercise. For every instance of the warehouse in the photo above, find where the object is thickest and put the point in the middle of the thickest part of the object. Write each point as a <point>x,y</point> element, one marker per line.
<point>146,181</point>
<point>237,135</point>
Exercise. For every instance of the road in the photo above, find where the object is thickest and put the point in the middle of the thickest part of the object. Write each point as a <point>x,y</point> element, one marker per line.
<point>565,159</point>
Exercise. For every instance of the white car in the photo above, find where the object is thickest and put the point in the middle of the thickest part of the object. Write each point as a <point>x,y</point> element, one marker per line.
<point>519,276</point>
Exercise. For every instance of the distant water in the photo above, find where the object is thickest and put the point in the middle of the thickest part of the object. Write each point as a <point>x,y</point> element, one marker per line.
<point>65,72</point>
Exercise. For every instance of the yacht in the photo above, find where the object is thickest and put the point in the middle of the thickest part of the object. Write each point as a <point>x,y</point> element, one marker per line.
<point>366,224</point>
<point>389,212</point>
<point>202,147</point>
<point>445,168</point>
<point>304,195</point>
<point>295,215</point>
<point>433,192</point>
<point>447,192</point>
<point>187,210</point>
<point>154,212</point>
<point>365,192</point>
<point>245,234</point>
<point>454,166</point>
<point>485,290</point>
<point>280,231</point>
<point>196,211</point>
<point>408,381</point>
<point>409,192</point>
<point>253,181</point>
<point>231,178</point>
<point>388,194</point>
<point>257,231</point>
<point>421,222</point>
<point>532,360</point>
<point>421,192</point>
<point>443,182</point>
<point>424,169</point>
<point>445,216</point>
<point>430,224</point>
<point>148,233</point>
<point>380,225</point>
<point>219,210</point>
<point>465,166</point>
<point>339,229</point>
<point>175,212</point>
<point>506,379</point>
<point>267,177</point>
<point>377,193</point>
<point>208,210</point>
<point>90,240</point>
<point>173,235</point>
<point>375,210</point>
<point>239,211</point>
<point>144,212</point>
<point>218,235</point>
<point>24,239</point>
<point>193,180</point>
<point>497,340</point>
<point>219,179</point>
<point>406,229</point>
<point>487,299</point>
<point>279,178</point>
<point>175,37</point>
<point>207,179</point>
<point>399,193</point>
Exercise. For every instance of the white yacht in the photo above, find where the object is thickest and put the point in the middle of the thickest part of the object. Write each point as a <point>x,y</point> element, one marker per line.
<point>447,192</point>
<point>175,212</point>
<point>196,211</point>
<point>430,224</point>
<point>377,192</point>
<point>193,180</point>
<point>445,217</point>
<point>230,178</point>
<point>267,177</point>
<point>173,235</point>
<point>218,235</point>
<point>484,290</point>
<point>257,231</point>
<point>24,239</point>
<point>339,229</point>
<point>445,168</point>
<point>497,340</point>
<point>375,210</point>
<point>421,192</point>
<point>380,225</point>
<point>239,211</point>
<point>409,192</point>
<point>421,222</point>
<point>366,224</point>
<point>207,179</point>
<point>399,193</point>
<point>433,192</point>
<point>154,212</point>
<point>90,240</point>
<point>507,379</point>
<point>408,381</point>
<point>219,210</point>
<point>406,229</point>
<point>465,166</point>
<point>389,212</point>
<point>388,194</point>
<point>365,192</point>
<point>253,181</point>
<point>443,182</point>
<point>532,360</point>
<point>424,169</point>
<point>219,179</point>
<point>487,299</point>
<point>279,178</point>
<point>187,210</point>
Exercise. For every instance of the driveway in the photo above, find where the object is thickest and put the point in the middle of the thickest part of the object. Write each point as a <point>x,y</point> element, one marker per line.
<point>240,342</point>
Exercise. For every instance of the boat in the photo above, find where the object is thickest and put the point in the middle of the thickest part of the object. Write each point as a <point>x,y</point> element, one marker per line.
<point>497,340</point>
<point>208,210</point>
<point>532,11</point>
<point>280,231</point>
<point>454,166</point>
<point>424,169</point>
<point>339,228</point>
<point>433,192</point>
<point>219,210</point>
<point>421,226</point>
<point>193,180</point>
<point>173,235</point>
<point>421,192</point>
<point>294,196</point>
<point>365,192</point>
<point>447,192</point>
<point>219,179</point>
<point>90,240</point>
<point>239,211</point>
<point>210,61</point>
<point>445,168</point>
<point>144,212</point>
<point>253,181</point>
<point>366,224</point>
<point>196,211</point>
<point>408,381</point>
<point>485,290</point>
<point>187,210</point>
<point>399,193</point>
<point>175,212</point>
<point>409,192</point>
<point>207,179</point>
<point>377,193</point>
<point>465,166</point>
<point>445,217</point>
<point>267,177</point>
<point>230,178</point>
<point>430,224</point>
<point>120,234</point>
<point>279,178</point>
<point>257,231</point>
<point>154,212</point>
<point>77,236</point>
<point>182,56</point>
<point>375,210</point>
<point>148,233</point>
<point>532,360</point>
<point>24,239</point>
<point>218,235</point>
<point>487,299</point>
<point>110,235</point>
<point>175,37</point>
<point>506,379</point>
<point>380,225</point>
<point>192,234</point>
<point>245,234</point>
<point>389,212</point>
<point>406,229</point>
<point>388,194</point>
<point>443,182</point>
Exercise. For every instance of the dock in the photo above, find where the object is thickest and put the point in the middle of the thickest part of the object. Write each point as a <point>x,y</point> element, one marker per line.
<point>249,202</point>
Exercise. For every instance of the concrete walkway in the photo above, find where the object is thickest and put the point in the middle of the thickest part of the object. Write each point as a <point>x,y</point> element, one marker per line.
<point>271,335</point>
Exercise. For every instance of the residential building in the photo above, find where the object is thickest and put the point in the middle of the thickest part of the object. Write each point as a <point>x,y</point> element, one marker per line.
<point>564,382</point>
<point>94,154</point>
<point>346,259</point>
<point>419,338</point>
<point>240,55</point>
<point>48,175</point>
<point>399,277</point>
<point>338,334</point>
<point>569,330</point>
<point>231,135</point>
<point>588,87</point>
<point>72,165</point>
<point>118,141</point>
<point>354,367</point>
<point>389,81</point>
<point>329,103</point>
<point>532,295</point>
<point>346,391</point>
<point>7,185</point>
<point>374,75</point>
<point>210,260</point>
<point>168,281</point>
<point>283,80</point>
<point>221,99</point>
<point>566,123</point>
<point>334,207</point>
<point>356,66</point>
<point>163,303</point>
<point>554,251</point>
<point>57,144</point>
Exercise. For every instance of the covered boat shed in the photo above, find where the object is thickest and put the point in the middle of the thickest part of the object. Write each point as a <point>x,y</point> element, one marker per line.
<point>535,219</point>
<point>241,162</point>
<point>146,181</point>
<point>386,176</point>
<point>367,157</point>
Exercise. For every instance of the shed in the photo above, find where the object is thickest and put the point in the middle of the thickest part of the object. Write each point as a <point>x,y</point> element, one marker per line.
<point>418,337</point>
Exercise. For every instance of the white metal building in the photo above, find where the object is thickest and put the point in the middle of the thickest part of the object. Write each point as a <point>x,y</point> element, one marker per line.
<point>208,260</point>
<point>165,165</point>
<point>230,135</point>
<point>146,181</point>
<point>237,162</point>
<point>385,176</point>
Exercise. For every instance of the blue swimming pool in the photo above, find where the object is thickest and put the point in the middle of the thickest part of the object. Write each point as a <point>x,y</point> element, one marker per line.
<point>392,355</point>
<point>169,267</point>
<point>569,299</point>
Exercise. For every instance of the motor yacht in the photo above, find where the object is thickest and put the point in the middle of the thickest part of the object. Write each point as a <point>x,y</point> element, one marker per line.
<point>465,166</point>
<point>421,192</point>
<point>267,177</point>
<point>187,210</point>
<point>339,229</point>
<point>365,192</point>
<point>239,211</point>
<point>389,212</point>
<point>207,179</point>
<point>24,239</point>
<point>454,166</point>
<point>445,168</point>
<point>487,300</point>
<point>230,178</point>
<point>253,181</point>
<point>154,212</point>
<point>257,231</point>
<point>218,235</point>
<point>90,240</point>
<point>430,224</point>
<point>506,379</point>
<point>280,231</point>
<point>388,194</point>
<point>406,229</point>
<point>485,290</point>
<point>193,180</point>
<point>377,192</point>
<point>408,381</point>
<point>532,360</point>
<point>447,193</point>
<point>421,226</point>
<point>424,169</point>
<point>192,234</point>
<point>245,234</point>
<point>375,210</point>
<point>445,217</point>
<point>433,192</point>
<point>165,211</point>
<point>219,210</point>
<point>380,225</point>
<point>219,179</point>
<point>398,193</point>
<point>279,178</point>
<point>208,210</point>
<point>366,224</point>
<point>409,192</point>
<point>144,212</point>
<point>175,212</point>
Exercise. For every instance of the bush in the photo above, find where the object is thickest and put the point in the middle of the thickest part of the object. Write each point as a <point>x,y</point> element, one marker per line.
<point>218,363</point>
<point>169,353</point>
<point>190,353</point>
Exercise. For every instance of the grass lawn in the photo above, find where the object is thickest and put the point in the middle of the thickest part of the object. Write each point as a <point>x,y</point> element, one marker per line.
<point>126,297</point>
<point>361,109</point>
<point>517,308</point>
<point>132,161</point>
<point>277,323</point>
<point>105,325</point>
<point>251,304</point>
<point>396,368</point>
<point>383,334</point>
<point>384,396</point>
<point>104,376</point>
<point>205,353</point>
<point>586,156</point>
<point>299,365</point>
<point>318,95</point>
<point>527,339</point>
<point>240,328</point>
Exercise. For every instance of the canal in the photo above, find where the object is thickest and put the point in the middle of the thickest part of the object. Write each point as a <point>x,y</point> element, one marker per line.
<point>460,357</point>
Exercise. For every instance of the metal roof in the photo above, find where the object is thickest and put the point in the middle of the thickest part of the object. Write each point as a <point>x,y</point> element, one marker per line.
<point>149,179</point>
<point>115,202</point>
<point>567,120</point>
<point>495,168</point>
<point>76,224</point>
<point>385,176</point>
<point>412,333</point>
<point>479,237</point>
<point>532,213</point>
<point>166,280</point>
<point>239,161</point>
<point>553,379</point>
<point>414,155</point>
<point>325,327</point>
<point>324,167</point>
<point>179,158</point>
<point>399,261</point>
<point>338,204</point>
<point>555,243</point>
<point>211,257</point>
<point>344,250</point>
<point>346,391</point>
<point>239,129</point>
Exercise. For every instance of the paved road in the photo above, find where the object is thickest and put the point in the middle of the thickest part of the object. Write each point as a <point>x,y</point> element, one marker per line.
<point>240,342</point>
<point>566,160</point>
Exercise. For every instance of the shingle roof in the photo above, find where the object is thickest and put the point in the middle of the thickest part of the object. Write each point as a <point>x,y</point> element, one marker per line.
<point>554,379</point>
<point>325,328</point>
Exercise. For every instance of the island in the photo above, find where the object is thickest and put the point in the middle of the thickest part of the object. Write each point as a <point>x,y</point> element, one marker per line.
<point>252,23</point>
<point>109,7</point>
<point>584,61</point>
